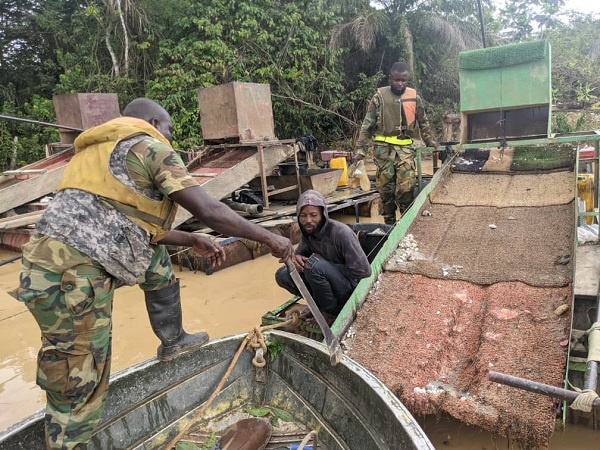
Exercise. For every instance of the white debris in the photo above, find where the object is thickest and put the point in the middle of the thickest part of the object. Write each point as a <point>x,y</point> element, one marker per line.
<point>407,249</point>
<point>350,333</point>
<point>451,269</point>
<point>377,232</point>
<point>493,226</point>
<point>426,213</point>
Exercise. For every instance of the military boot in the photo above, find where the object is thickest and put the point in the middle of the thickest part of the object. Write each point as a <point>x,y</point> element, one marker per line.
<point>164,310</point>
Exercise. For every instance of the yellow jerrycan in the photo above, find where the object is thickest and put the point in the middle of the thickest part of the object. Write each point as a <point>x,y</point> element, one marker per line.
<point>340,163</point>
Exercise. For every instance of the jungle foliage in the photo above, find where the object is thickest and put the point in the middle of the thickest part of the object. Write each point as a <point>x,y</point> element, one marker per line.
<point>322,58</point>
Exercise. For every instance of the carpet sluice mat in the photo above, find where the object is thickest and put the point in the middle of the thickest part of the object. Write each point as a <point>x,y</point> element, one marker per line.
<point>473,287</point>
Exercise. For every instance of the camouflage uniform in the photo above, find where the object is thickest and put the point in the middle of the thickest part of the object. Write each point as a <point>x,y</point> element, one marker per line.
<point>69,291</point>
<point>395,164</point>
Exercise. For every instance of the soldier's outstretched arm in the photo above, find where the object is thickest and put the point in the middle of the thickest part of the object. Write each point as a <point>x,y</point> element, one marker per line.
<point>223,219</point>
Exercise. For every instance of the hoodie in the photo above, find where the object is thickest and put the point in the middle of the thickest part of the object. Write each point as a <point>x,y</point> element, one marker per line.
<point>333,240</point>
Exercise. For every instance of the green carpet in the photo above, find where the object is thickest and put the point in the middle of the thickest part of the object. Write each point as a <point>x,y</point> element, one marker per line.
<point>543,158</point>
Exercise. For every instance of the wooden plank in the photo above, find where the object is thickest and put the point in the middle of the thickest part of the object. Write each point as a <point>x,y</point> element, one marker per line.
<point>24,172</point>
<point>29,190</point>
<point>16,216</point>
<point>206,175</point>
<point>225,183</point>
<point>19,221</point>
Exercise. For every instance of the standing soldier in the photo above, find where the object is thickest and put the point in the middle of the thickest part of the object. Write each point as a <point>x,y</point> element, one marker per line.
<point>393,115</point>
<point>107,227</point>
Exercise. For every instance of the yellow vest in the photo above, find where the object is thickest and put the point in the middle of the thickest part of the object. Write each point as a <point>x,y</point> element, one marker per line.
<point>89,171</point>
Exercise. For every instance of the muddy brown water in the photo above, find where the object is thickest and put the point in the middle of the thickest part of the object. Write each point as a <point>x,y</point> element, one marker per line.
<point>228,302</point>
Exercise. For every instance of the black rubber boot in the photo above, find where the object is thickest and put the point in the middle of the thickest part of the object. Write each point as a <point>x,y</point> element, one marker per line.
<point>164,310</point>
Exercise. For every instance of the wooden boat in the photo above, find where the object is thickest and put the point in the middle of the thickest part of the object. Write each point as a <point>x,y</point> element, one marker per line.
<point>148,404</point>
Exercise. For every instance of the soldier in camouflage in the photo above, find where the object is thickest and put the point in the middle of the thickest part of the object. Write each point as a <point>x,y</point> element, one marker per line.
<point>107,227</point>
<point>393,116</point>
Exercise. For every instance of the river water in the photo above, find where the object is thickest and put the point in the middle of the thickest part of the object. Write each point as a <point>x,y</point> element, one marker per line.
<point>227,302</point>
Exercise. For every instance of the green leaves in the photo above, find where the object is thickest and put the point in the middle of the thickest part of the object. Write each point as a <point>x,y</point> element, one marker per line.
<point>275,414</point>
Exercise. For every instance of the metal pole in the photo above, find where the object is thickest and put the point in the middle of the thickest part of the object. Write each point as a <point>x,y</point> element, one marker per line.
<point>590,378</point>
<point>9,260</point>
<point>37,122</point>
<point>538,388</point>
<point>481,23</point>
<point>419,174</point>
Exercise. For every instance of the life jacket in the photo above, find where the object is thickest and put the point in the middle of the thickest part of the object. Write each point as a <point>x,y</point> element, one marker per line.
<point>390,118</point>
<point>89,171</point>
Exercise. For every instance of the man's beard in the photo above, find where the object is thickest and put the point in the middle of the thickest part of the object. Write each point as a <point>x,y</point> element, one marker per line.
<point>315,230</point>
<point>398,91</point>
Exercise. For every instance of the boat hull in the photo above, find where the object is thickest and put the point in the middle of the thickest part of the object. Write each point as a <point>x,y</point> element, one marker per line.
<point>149,403</point>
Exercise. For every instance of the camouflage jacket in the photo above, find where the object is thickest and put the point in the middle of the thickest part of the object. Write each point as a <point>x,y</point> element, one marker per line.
<point>372,118</point>
<point>77,228</point>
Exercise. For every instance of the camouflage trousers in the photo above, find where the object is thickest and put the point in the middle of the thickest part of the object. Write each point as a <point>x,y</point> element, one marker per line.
<point>73,309</point>
<point>396,179</point>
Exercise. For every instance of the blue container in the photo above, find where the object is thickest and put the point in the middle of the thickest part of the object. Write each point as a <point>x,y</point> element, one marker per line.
<point>295,447</point>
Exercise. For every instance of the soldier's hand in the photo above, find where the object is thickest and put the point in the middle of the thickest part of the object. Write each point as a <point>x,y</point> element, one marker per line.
<point>281,247</point>
<point>209,249</point>
<point>357,157</point>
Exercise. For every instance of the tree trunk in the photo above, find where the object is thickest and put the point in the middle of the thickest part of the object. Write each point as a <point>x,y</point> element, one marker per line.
<point>125,36</point>
<point>113,56</point>
<point>408,44</point>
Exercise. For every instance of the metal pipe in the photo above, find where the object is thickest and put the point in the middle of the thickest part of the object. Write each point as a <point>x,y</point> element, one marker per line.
<point>481,23</point>
<point>9,260</point>
<point>535,387</point>
<point>590,378</point>
<point>37,122</point>
<point>245,207</point>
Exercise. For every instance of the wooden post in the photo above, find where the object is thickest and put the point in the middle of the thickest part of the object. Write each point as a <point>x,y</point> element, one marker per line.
<point>263,176</point>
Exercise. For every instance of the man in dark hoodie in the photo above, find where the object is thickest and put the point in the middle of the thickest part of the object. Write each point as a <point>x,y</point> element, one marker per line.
<point>329,257</point>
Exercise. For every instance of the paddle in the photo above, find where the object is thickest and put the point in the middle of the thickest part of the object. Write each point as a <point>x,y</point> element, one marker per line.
<point>335,351</point>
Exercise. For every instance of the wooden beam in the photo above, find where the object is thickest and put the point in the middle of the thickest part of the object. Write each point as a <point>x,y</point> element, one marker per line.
<point>20,220</point>
<point>26,191</point>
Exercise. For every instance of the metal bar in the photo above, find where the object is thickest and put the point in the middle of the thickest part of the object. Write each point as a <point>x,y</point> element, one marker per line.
<point>550,140</point>
<point>37,122</point>
<point>590,378</point>
<point>535,387</point>
<point>9,260</point>
<point>419,174</point>
<point>254,144</point>
<point>335,351</point>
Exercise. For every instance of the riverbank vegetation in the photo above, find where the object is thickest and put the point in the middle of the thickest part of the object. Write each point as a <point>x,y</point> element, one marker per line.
<point>322,58</point>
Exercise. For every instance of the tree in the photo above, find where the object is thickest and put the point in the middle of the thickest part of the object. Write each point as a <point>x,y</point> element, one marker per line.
<point>387,34</point>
